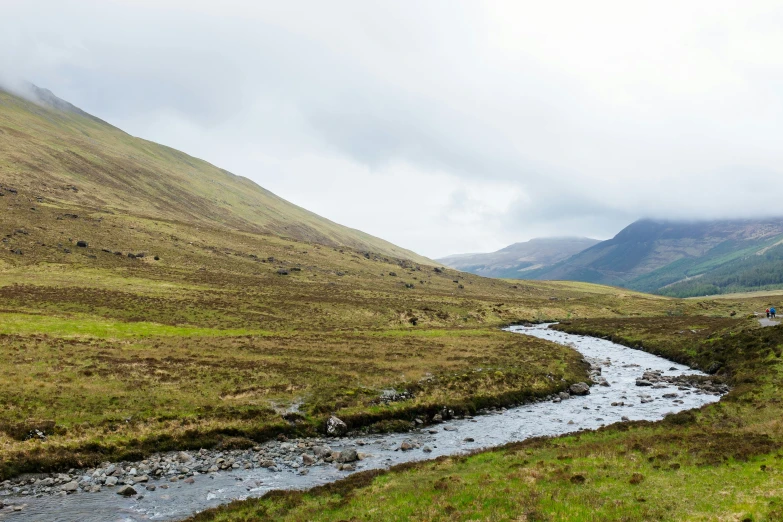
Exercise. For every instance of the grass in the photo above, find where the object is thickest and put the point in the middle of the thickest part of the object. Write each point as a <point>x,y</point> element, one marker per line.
<point>81,325</point>
<point>722,462</point>
<point>203,340</point>
<point>115,357</point>
<point>118,357</point>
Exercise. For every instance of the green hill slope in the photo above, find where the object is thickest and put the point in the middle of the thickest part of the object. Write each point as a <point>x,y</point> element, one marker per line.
<point>55,151</point>
<point>652,255</point>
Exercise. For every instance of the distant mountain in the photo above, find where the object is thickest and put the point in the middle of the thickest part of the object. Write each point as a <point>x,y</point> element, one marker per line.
<point>58,152</point>
<point>681,258</point>
<point>516,260</point>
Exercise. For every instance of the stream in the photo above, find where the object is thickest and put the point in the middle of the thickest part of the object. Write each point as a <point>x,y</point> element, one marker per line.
<point>620,367</point>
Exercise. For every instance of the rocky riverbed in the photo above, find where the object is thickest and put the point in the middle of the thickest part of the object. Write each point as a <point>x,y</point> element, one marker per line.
<point>627,385</point>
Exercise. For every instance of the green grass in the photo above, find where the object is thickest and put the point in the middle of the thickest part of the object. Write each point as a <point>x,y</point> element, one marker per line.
<point>96,327</point>
<point>115,357</point>
<point>723,462</point>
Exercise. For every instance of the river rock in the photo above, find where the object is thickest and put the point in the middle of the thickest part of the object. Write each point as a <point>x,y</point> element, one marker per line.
<point>643,382</point>
<point>71,486</point>
<point>579,388</point>
<point>127,491</point>
<point>111,481</point>
<point>307,460</point>
<point>183,457</point>
<point>335,427</point>
<point>406,446</point>
<point>347,455</point>
<point>321,451</point>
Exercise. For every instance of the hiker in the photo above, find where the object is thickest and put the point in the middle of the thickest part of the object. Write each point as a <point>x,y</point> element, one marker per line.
<point>772,312</point>
<point>767,313</point>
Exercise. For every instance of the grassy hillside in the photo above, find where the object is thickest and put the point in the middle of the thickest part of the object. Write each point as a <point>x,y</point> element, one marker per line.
<point>162,334</point>
<point>754,271</point>
<point>672,257</point>
<point>54,152</point>
<point>722,462</point>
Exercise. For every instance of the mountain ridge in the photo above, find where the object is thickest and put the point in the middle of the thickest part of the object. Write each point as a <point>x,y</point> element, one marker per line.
<point>514,260</point>
<point>56,150</point>
<point>652,255</point>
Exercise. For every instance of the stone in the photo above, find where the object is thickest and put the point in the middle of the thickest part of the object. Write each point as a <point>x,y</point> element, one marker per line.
<point>71,486</point>
<point>95,488</point>
<point>335,427</point>
<point>282,272</point>
<point>437,418</point>
<point>426,449</point>
<point>579,388</point>
<point>268,464</point>
<point>643,382</point>
<point>111,481</point>
<point>189,480</point>
<point>183,457</point>
<point>81,244</point>
<point>127,491</point>
<point>449,428</point>
<point>348,455</point>
<point>308,460</point>
<point>406,446</point>
<point>139,479</point>
<point>321,451</point>
<point>469,439</point>
<point>564,396</point>
<point>150,487</point>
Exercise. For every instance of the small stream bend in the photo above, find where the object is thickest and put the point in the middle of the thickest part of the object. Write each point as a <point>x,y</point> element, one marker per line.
<point>621,367</point>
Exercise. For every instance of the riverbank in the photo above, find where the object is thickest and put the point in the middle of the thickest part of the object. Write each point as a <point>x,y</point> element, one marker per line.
<point>189,481</point>
<point>721,461</point>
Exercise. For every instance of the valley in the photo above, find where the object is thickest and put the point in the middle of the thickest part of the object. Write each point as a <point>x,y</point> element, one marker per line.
<point>151,303</point>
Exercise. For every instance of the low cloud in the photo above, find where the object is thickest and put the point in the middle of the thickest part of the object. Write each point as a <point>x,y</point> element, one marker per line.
<point>447,126</point>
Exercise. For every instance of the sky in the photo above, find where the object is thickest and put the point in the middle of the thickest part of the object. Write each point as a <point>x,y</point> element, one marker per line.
<point>442,126</point>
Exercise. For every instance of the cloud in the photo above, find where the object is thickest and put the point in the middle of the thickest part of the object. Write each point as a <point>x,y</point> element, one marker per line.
<point>443,126</point>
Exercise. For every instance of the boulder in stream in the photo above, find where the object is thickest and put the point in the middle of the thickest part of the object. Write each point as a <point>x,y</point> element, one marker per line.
<point>127,491</point>
<point>579,388</point>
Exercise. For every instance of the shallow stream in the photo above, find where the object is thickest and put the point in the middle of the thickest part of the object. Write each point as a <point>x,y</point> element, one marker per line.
<point>620,366</point>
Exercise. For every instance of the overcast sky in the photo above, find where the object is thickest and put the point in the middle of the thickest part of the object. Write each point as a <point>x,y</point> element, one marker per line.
<point>444,127</point>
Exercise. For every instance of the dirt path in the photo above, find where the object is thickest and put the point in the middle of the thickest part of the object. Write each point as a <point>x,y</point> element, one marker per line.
<point>768,322</point>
